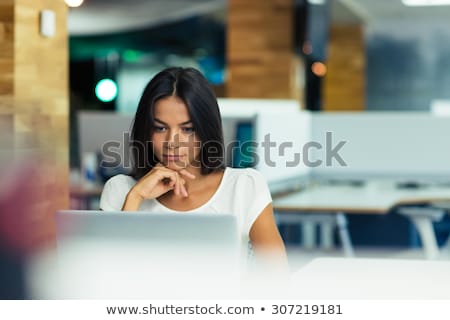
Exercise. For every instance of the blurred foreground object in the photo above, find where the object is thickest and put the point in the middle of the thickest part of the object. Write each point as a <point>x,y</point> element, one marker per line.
<point>26,222</point>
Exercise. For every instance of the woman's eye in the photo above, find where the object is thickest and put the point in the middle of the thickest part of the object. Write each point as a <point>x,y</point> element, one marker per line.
<point>158,129</point>
<point>188,130</point>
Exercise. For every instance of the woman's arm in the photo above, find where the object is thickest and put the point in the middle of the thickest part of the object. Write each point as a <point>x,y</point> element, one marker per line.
<point>133,201</point>
<point>266,239</point>
<point>156,182</point>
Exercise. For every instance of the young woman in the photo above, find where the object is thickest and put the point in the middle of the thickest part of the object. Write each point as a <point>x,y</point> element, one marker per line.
<point>178,152</point>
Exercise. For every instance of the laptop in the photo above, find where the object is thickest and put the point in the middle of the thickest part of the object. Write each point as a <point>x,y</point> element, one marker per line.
<point>196,229</point>
<point>118,255</point>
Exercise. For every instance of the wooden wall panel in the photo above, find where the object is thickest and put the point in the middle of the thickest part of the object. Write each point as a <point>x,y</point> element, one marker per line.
<point>34,94</point>
<point>260,56</point>
<point>345,84</point>
<point>6,51</point>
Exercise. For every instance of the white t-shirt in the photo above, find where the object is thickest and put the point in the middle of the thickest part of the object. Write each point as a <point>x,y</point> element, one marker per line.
<point>242,192</point>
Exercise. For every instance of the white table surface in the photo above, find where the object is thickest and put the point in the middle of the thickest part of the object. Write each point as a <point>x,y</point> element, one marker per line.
<point>375,197</point>
<point>356,278</point>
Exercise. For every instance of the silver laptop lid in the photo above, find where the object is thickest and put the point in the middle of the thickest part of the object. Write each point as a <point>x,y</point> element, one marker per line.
<point>168,228</point>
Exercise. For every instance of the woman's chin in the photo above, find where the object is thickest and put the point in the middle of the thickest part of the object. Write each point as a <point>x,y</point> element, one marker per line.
<point>175,165</point>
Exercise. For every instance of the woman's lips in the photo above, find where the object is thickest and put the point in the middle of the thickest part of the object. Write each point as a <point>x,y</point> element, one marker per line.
<point>171,157</point>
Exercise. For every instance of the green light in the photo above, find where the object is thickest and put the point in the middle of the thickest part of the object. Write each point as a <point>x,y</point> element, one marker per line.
<point>131,55</point>
<point>106,90</point>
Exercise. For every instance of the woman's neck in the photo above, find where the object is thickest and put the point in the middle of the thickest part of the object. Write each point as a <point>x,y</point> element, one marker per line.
<point>201,181</point>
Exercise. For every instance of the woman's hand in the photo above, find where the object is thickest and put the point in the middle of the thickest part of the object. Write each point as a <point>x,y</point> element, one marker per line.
<point>156,182</point>
<point>160,180</point>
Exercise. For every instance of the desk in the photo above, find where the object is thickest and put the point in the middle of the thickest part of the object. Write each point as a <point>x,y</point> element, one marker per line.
<point>356,278</point>
<point>332,202</point>
<point>81,196</point>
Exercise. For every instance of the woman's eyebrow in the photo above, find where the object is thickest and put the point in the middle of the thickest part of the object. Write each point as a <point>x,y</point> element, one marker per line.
<point>181,124</point>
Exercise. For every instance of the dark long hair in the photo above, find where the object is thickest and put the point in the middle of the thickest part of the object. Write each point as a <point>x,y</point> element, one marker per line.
<point>193,89</point>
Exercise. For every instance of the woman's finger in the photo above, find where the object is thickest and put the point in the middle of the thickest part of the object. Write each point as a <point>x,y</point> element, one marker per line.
<point>169,178</point>
<point>177,185</point>
<point>169,186</point>
<point>183,188</point>
<point>187,174</point>
<point>174,178</point>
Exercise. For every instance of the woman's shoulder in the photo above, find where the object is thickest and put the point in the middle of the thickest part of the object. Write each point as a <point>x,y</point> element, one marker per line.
<point>246,175</point>
<point>249,172</point>
<point>115,191</point>
<point>120,181</point>
<point>121,178</point>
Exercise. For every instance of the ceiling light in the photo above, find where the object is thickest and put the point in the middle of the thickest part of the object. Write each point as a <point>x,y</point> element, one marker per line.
<point>319,69</point>
<point>106,90</point>
<point>423,3</point>
<point>316,2</point>
<point>74,3</point>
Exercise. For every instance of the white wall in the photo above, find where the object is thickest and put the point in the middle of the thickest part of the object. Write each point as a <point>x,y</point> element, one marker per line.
<point>389,144</point>
<point>386,143</point>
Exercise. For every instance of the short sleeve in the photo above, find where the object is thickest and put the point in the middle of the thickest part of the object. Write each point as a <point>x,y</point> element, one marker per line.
<point>114,192</point>
<point>257,195</point>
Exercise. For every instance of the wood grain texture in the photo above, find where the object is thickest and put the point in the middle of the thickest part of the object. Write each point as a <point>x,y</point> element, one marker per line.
<point>34,93</point>
<point>345,84</point>
<point>260,58</point>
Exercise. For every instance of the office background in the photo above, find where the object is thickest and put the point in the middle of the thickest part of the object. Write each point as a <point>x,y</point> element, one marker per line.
<point>390,58</point>
<point>329,56</point>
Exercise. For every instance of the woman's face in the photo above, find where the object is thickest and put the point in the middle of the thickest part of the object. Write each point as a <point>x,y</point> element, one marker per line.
<point>175,141</point>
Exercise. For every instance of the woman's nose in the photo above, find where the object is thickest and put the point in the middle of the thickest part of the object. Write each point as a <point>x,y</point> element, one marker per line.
<point>173,139</point>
